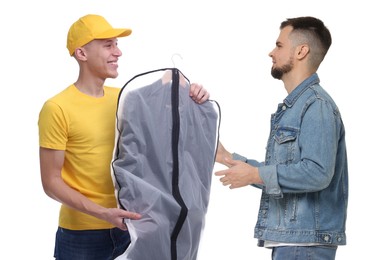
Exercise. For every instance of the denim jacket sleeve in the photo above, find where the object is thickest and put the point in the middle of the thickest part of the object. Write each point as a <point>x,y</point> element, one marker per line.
<point>313,165</point>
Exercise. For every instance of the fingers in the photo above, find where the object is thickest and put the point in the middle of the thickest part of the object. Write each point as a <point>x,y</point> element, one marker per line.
<point>230,177</point>
<point>224,179</point>
<point>198,93</point>
<point>221,173</point>
<point>118,216</point>
<point>128,215</point>
<point>132,215</point>
<point>123,225</point>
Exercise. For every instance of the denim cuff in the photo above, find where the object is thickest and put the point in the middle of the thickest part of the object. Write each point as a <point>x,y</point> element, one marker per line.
<point>239,157</point>
<point>270,179</point>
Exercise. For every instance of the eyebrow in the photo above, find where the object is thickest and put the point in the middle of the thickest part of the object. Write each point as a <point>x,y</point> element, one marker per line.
<point>110,40</point>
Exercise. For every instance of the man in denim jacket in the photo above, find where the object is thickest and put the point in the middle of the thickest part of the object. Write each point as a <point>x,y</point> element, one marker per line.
<point>304,178</point>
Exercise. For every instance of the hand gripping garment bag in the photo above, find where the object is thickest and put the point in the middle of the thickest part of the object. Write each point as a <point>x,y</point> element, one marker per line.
<point>162,166</point>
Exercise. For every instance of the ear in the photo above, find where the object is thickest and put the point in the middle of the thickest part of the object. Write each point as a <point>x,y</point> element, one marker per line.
<point>302,51</point>
<point>80,54</point>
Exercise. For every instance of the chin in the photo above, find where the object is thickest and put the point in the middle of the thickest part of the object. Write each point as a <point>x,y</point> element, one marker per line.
<point>113,75</point>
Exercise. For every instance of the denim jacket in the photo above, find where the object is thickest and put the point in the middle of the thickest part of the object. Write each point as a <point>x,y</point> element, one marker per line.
<point>305,172</point>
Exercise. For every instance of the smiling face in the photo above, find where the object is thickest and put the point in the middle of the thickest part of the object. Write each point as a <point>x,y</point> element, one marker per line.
<point>102,57</point>
<point>282,54</point>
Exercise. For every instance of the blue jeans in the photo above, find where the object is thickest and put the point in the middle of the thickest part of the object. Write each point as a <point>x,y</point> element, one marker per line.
<point>102,244</point>
<point>304,253</point>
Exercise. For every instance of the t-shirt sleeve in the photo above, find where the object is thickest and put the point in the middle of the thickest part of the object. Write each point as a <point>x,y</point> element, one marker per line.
<point>53,127</point>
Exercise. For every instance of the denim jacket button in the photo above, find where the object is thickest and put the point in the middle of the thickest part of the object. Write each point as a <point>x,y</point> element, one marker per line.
<point>326,238</point>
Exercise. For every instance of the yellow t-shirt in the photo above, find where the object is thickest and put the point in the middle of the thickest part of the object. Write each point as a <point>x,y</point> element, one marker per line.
<point>84,127</point>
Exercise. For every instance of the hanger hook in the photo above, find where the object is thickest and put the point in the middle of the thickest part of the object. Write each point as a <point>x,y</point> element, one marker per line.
<point>172,58</point>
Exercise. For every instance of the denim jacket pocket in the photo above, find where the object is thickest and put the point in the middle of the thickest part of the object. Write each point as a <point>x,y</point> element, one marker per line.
<point>285,144</point>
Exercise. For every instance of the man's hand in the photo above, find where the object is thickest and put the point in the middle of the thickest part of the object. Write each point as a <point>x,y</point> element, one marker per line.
<point>198,93</point>
<point>239,174</point>
<point>116,216</point>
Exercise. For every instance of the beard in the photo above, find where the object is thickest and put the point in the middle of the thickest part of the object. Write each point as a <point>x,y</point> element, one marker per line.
<point>278,73</point>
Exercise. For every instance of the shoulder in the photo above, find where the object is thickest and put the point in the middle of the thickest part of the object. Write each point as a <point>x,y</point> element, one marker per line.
<point>63,95</point>
<point>112,90</point>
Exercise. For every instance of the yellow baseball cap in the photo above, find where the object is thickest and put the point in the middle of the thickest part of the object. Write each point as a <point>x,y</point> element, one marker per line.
<point>91,27</point>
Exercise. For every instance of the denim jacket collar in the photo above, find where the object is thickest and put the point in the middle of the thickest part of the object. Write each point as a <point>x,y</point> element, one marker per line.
<point>295,94</point>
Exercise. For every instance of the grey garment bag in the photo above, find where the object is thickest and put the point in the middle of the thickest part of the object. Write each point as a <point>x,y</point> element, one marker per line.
<point>162,166</point>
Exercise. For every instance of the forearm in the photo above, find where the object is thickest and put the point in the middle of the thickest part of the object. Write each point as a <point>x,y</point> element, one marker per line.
<point>223,155</point>
<point>58,190</point>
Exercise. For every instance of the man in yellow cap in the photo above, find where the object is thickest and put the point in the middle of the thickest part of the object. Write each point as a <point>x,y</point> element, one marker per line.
<point>76,138</point>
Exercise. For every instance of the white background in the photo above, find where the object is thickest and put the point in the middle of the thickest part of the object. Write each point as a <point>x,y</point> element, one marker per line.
<point>224,45</point>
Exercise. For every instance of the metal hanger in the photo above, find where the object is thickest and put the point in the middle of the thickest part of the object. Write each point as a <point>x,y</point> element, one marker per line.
<point>173,58</point>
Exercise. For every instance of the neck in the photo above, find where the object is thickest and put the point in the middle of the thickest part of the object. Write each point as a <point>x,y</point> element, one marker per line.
<point>292,80</point>
<point>91,87</point>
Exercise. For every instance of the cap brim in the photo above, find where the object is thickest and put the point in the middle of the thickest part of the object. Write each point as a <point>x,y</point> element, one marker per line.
<point>113,33</point>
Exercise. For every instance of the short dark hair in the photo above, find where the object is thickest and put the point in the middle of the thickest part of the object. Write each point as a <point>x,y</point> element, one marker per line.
<point>312,31</point>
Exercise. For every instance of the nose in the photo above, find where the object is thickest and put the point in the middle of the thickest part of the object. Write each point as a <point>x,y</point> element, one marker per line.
<point>117,51</point>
